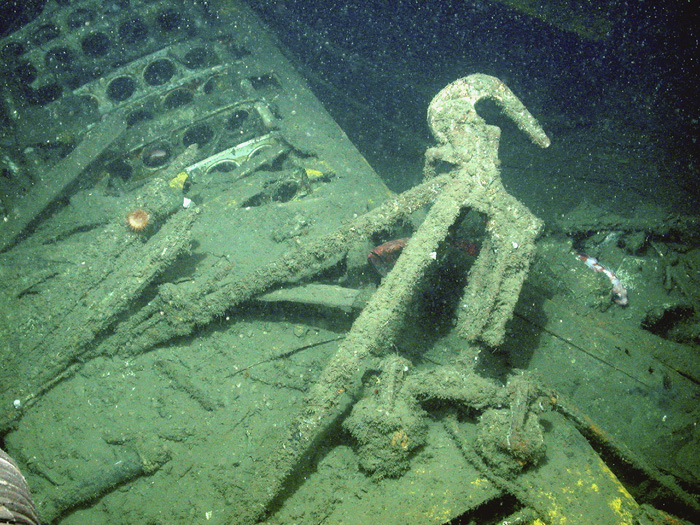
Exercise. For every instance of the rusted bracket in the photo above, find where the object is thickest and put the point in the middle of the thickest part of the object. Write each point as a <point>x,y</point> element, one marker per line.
<point>471,146</point>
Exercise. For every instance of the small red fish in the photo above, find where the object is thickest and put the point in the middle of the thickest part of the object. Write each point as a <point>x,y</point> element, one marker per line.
<point>468,247</point>
<point>384,256</point>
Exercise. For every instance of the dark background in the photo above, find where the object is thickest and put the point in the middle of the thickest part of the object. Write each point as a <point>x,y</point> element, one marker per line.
<point>393,57</point>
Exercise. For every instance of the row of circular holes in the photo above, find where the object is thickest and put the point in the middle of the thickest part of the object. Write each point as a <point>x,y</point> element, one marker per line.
<point>131,31</point>
<point>177,98</point>
<point>158,155</point>
<point>158,73</point>
<point>122,88</point>
<point>61,58</point>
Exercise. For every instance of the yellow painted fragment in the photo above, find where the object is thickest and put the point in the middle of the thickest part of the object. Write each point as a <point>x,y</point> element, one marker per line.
<point>178,182</point>
<point>313,174</point>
